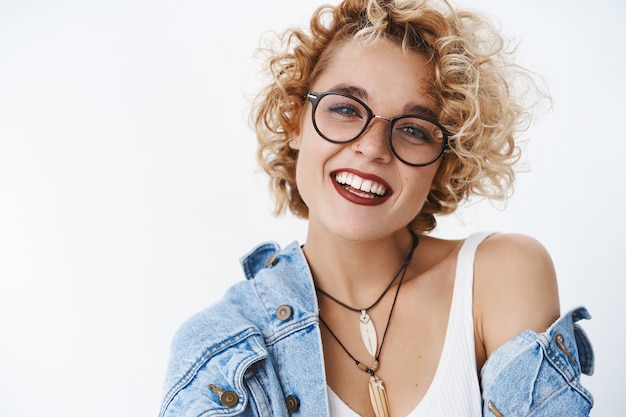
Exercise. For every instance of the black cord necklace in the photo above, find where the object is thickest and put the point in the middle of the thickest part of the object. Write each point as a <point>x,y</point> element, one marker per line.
<point>370,369</point>
<point>359,310</point>
<point>366,325</point>
<point>377,392</point>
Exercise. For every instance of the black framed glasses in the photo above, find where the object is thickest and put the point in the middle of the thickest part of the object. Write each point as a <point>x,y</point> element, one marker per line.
<point>414,139</point>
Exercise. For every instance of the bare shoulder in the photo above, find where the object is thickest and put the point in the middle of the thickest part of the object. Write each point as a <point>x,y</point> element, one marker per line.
<point>515,289</point>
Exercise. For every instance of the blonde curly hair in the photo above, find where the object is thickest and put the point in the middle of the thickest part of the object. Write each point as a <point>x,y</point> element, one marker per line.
<point>478,90</point>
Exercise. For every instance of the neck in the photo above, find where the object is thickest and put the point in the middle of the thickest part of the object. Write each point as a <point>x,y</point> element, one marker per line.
<point>356,272</point>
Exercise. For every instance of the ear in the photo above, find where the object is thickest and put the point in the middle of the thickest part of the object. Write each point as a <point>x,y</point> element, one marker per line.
<point>294,143</point>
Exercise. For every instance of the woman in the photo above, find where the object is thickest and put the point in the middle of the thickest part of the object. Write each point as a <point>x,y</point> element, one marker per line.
<point>386,114</point>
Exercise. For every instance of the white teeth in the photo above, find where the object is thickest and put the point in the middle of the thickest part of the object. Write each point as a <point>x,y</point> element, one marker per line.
<point>356,182</point>
<point>367,186</point>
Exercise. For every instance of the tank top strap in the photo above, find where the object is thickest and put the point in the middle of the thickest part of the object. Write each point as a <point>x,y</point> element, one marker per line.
<point>464,281</point>
<point>461,320</point>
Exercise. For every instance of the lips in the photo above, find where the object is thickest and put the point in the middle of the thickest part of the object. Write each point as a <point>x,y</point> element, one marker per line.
<point>360,188</point>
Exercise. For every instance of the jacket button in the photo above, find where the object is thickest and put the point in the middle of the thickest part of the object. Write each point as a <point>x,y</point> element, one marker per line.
<point>293,403</point>
<point>271,261</point>
<point>284,312</point>
<point>229,398</point>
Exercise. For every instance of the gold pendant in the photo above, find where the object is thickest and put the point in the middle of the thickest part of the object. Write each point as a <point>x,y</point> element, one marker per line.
<point>378,396</point>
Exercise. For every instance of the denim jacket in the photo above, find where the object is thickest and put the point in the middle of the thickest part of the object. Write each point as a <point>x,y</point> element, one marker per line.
<point>258,352</point>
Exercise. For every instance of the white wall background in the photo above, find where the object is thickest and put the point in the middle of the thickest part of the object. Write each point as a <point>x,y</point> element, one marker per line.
<point>128,187</point>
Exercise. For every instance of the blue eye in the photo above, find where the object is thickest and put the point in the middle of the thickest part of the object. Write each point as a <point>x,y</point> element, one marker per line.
<point>412,132</point>
<point>345,110</point>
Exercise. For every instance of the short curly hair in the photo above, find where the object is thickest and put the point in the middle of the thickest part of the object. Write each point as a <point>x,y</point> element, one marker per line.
<point>479,92</point>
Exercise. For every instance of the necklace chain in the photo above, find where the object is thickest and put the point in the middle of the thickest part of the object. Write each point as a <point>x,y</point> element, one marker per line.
<point>406,262</point>
<point>401,272</point>
<point>341,303</point>
<point>358,363</point>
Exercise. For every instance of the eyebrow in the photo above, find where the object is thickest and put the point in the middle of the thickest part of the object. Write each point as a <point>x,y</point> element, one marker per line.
<point>361,93</point>
<point>351,90</point>
<point>420,110</point>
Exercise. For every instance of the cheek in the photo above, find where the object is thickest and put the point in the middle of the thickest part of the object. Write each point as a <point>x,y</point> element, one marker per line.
<point>418,185</point>
<point>422,178</point>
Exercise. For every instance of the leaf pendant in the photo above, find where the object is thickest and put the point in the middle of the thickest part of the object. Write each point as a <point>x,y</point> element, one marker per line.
<point>378,396</point>
<point>368,333</point>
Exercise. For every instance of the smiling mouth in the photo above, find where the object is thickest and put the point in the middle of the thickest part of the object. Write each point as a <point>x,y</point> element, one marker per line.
<point>361,187</point>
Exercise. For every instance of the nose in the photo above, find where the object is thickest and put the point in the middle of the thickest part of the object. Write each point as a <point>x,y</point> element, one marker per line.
<point>373,144</point>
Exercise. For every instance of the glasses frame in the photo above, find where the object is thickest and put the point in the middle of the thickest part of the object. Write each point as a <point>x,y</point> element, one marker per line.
<point>315,98</point>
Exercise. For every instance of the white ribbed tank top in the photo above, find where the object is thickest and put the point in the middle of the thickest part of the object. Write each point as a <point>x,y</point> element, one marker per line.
<point>455,389</point>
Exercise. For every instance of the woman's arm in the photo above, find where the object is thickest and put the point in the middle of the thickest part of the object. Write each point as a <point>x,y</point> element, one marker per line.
<point>515,289</point>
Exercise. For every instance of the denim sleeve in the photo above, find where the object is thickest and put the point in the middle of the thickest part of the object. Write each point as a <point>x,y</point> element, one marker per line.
<point>538,375</point>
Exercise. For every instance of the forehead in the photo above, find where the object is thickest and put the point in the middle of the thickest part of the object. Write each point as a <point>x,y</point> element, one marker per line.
<point>385,73</point>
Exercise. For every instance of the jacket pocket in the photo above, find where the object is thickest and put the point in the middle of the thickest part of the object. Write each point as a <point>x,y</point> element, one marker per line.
<point>255,380</point>
<point>217,383</point>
